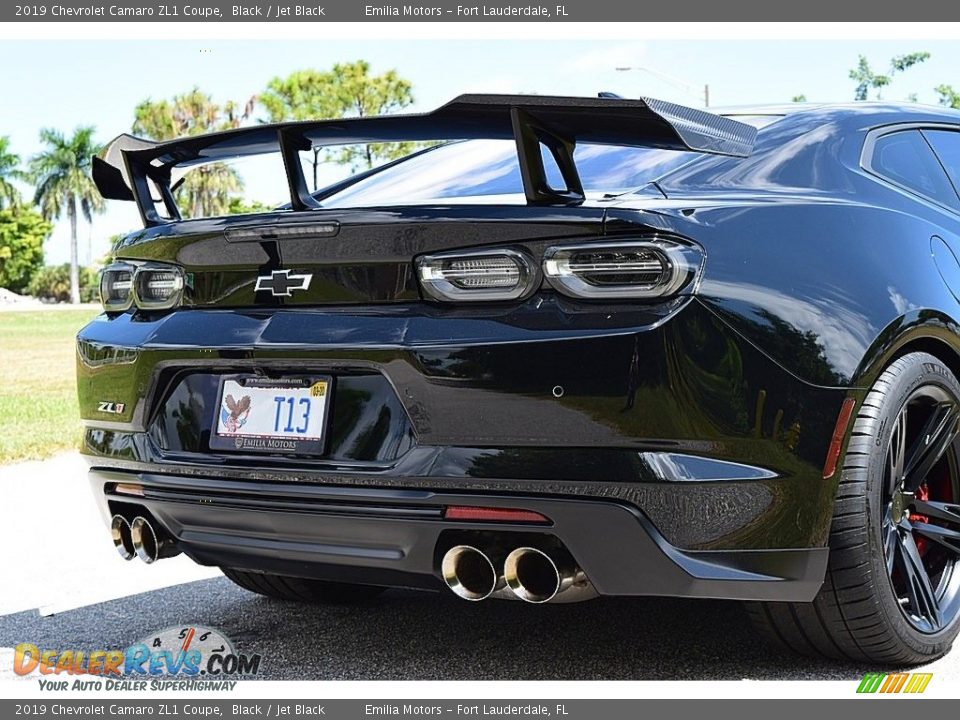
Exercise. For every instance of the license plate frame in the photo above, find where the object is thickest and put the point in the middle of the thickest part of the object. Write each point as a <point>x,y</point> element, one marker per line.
<point>257,387</point>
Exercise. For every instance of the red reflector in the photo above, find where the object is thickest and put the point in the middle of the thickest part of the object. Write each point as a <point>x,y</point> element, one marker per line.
<point>489,514</point>
<point>836,442</point>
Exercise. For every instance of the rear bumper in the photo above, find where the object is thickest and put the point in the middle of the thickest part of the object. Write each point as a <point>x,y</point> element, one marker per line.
<point>396,537</point>
<point>666,410</point>
<point>672,456</point>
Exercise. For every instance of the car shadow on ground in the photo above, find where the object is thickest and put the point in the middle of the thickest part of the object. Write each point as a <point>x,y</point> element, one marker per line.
<point>407,635</point>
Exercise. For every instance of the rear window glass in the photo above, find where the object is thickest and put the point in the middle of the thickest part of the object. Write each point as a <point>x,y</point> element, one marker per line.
<point>946,144</point>
<point>488,169</point>
<point>906,159</point>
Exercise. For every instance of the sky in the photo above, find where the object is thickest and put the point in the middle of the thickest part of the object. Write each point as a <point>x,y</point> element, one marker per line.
<point>62,85</point>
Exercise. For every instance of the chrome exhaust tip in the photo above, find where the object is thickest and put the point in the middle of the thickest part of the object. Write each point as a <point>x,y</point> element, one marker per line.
<point>537,576</point>
<point>144,539</point>
<point>149,543</point>
<point>470,573</point>
<point>120,533</point>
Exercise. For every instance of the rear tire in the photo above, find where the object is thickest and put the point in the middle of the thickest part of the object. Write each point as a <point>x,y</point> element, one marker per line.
<point>302,590</point>
<point>874,606</point>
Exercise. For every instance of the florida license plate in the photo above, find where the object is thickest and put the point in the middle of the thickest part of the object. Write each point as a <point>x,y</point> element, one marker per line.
<point>258,414</point>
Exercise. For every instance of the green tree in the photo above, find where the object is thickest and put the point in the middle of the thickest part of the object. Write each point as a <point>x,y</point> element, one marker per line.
<point>799,98</point>
<point>302,95</point>
<point>359,95</point>
<point>948,96</point>
<point>9,171</point>
<point>868,80</point>
<point>239,206</point>
<point>61,174</point>
<point>206,189</point>
<point>52,282</point>
<point>346,90</point>
<point>22,234</point>
<point>190,113</point>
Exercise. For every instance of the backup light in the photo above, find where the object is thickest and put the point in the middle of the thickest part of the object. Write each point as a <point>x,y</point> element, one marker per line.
<point>634,270</point>
<point>158,287</point>
<point>116,287</point>
<point>478,275</point>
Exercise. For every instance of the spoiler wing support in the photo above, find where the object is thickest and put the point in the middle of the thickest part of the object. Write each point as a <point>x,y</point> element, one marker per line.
<point>131,168</point>
<point>530,135</point>
<point>290,148</point>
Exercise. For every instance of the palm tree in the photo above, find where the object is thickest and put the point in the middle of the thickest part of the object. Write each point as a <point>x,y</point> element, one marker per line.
<point>9,170</point>
<point>61,173</point>
<point>206,190</point>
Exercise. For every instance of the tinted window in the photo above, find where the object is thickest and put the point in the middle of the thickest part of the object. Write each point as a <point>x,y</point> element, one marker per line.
<point>906,159</point>
<point>488,168</point>
<point>946,143</point>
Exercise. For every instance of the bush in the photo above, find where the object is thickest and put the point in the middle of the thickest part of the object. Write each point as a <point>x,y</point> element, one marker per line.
<point>52,283</point>
<point>22,232</point>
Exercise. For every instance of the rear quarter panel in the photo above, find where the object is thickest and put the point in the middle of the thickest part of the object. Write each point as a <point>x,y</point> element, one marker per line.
<point>831,283</point>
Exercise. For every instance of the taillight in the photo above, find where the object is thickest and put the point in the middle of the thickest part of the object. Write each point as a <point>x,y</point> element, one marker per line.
<point>629,270</point>
<point>158,287</point>
<point>148,286</point>
<point>478,275</point>
<point>116,287</point>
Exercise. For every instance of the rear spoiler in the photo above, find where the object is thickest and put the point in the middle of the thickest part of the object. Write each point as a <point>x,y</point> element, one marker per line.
<point>128,166</point>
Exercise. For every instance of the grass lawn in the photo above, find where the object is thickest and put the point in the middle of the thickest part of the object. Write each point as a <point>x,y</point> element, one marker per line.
<point>38,389</point>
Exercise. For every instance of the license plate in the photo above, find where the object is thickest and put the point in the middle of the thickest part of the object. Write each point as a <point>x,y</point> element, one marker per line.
<point>257,414</point>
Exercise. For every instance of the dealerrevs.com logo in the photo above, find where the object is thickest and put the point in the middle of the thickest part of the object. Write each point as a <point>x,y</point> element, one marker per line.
<point>176,658</point>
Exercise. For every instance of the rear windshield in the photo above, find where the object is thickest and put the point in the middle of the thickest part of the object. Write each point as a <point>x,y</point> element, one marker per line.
<point>488,170</point>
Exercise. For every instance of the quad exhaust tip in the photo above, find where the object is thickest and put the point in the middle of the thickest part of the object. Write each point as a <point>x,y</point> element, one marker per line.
<point>144,539</point>
<point>150,543</point>
<point>537,576</point>
<point>470,573</point>
<point>121,535</point>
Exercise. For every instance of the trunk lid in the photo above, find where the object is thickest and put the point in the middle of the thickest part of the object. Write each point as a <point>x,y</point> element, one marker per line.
<point>359,256</point>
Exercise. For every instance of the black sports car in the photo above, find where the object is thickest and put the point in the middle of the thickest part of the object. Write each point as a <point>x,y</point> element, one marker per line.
<point>580,347</point>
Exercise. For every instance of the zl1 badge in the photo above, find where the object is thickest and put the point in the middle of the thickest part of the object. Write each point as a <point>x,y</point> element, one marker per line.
<point>112,408</point>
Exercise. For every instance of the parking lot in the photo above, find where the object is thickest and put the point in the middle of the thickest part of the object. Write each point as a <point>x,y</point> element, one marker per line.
<point>67,588</point>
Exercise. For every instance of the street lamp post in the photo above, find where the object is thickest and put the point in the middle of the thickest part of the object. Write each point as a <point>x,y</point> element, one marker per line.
<point>671,80</point>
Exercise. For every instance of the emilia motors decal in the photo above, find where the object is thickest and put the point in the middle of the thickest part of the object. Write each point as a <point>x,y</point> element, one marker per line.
<point>177,658</point>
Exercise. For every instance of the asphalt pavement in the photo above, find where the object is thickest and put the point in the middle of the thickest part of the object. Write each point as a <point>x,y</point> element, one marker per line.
<point>70,590</point>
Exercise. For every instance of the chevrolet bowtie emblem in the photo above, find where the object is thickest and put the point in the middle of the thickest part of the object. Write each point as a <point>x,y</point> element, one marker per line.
<point>283,283</point>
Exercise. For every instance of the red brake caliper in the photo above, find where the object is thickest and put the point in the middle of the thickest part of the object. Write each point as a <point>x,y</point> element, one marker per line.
<point>923,493</point>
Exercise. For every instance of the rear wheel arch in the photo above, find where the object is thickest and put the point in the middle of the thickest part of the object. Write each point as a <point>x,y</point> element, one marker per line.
<point>943,351</point>
<point>928,331</point>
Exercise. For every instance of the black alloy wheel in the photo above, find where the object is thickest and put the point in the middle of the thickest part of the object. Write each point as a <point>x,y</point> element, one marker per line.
<point>921,516</point>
